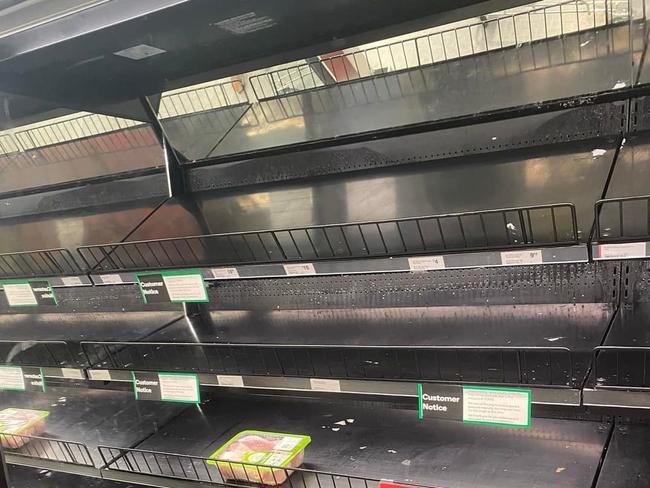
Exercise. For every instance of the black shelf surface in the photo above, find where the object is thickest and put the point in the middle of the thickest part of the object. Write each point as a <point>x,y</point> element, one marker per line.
<point>627,463</point>
<point>557,68</point>
<point>387,443</point>
<point>52,340</point>
<point>623,359</point>
<point>569,177</point>
<point>542,344</point>
<point>24,477</point>
<point>90,417</point>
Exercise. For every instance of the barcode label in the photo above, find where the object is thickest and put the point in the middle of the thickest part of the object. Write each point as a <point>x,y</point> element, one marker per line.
<point>230,380</point>
<point>100,375</point>
<point>225,273</point>
<point>299,269</point>
<point>626,250</point>
<point>320,384</point>
<point>71,281</point>
<point>111,279</point>
<point>425,263</point>
<point>514,258</point>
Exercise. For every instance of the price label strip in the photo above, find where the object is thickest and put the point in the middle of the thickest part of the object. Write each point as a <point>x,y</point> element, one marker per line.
<point>185,286</point>
<point>166,387</point>
<point>29,293</point>
<point>17,378</point>
<point>507,407</point>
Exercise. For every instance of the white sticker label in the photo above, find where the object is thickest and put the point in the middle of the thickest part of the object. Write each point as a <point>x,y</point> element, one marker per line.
<point>225,273</point>
<point>71,281</point>
<point>179,388</point>
<point>514,258</point>
<point>299,269</point>
<point>230,380</point>
<point>626,250</point>
<point>111,279</point>
<point>76,374</point>
<point>425,263</point>
<point>100,374</point>
<point>496,406</point>
<point>320,384</point>
<point>185,288</point>
<point>140,51</point>
<point>11,378</point>
<point>20,294</point>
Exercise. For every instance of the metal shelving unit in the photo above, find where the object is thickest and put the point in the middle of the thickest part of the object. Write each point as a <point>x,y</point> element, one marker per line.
<point>461,208</point>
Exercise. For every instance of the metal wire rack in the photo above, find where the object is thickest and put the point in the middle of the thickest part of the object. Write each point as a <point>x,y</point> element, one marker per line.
<point>221,473</point>
<point>198,99</point>
<point>52,354</point>
<point>623,219</point>
<point>516,227</point>
<point>46,448</point>
<point>622,367</point>
<point>43,263</point>
<point>504,365</point>
<point>486,36</point>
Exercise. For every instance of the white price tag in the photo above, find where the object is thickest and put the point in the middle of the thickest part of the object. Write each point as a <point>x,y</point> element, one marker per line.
<point>515,258</point>
<point>20,294</point>
<point>185,287</point>
<point>99,374</point>
<point>225,273</point>
<point>299,269</point>
<point>179,387</point>
<point>621,251</point>
<point>230,380</point>
<point>111,279</point>
<point>75,374</point>
<point>71,281</point>
<point>320,384</point>
<point>425,263</point>
<point>11,378</point>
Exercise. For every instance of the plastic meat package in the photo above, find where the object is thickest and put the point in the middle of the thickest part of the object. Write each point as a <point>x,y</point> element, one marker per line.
<point>258,450</point>
<point>18,422</point>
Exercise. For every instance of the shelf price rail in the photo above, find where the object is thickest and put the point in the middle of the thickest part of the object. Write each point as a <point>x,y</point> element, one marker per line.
<point>466,239</point>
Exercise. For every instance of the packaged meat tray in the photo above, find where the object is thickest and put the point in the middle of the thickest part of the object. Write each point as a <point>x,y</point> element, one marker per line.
<point>259,450</point>
<point>20,422</point>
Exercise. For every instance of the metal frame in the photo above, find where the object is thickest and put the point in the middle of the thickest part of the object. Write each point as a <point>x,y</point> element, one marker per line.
<point>195,468</point>
<point>510,228</point>
<point>43,263</point>
<point>622,235</point>
<point>62,451</point>
<point>52,354</point>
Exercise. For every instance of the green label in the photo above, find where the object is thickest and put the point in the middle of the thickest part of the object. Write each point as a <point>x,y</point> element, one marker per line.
<point>182,286</point>
<point>29,293</point>
<point>485,405</point>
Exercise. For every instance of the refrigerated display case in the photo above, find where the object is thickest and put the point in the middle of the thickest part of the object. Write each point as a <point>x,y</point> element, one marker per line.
<point>407,249</point>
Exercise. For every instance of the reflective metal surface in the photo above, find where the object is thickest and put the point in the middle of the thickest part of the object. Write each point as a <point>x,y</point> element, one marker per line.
<point>573,173</point>
<point>393,444</point>
<point>574,64</point>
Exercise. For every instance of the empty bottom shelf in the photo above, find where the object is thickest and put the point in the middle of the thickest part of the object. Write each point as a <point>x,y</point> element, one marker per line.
<point>627,464</point>
<point>370,440</point>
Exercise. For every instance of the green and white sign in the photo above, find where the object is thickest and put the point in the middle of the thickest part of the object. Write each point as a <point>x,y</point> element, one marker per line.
<point>17,378</point>
<point>485,405</point>
<point>182,286</point>
<point>29,293</point>
<point>166,387</point>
